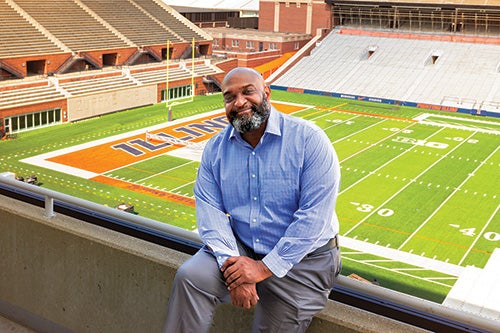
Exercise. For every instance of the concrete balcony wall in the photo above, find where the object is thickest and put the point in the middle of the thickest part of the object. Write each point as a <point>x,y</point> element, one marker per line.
<point>61,274</point>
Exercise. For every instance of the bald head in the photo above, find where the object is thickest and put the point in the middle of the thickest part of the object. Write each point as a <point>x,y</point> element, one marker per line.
<point>242,74</point>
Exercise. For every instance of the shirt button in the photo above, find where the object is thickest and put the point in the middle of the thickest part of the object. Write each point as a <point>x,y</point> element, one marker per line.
<point>253,175</point>
<point>254,220</point>
<point>253,153</point>
<point>254,198</point>
<point>257,240</point>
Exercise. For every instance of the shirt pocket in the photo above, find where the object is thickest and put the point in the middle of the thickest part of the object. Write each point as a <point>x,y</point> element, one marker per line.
<point>280,189</point>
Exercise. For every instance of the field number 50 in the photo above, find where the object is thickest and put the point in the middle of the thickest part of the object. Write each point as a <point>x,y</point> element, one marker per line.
<point>366,208</point>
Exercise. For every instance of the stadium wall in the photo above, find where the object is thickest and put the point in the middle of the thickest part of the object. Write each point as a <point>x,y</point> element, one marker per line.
<point>122,55</point>
<point>63,275</point>
<point>52,63</point>
<point>426,106</point>
<point>101,103</point>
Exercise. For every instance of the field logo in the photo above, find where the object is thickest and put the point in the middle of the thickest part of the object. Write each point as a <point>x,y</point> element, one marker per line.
<point>138,147</point>
<point>418,142</point>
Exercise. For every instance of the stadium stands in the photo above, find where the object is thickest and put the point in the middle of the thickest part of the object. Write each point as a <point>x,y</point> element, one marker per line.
<point>63,86</point>
<point>159,74</point>
<point>460,75</point>
<point>93,85</point>
<point>19,38</point>
<point>70,24</point>
<point>132,22</point>
<point>177,23</point>
<point>29,95</point>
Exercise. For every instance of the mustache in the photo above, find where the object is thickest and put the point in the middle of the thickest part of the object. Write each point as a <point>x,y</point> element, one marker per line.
<point>235,112</point>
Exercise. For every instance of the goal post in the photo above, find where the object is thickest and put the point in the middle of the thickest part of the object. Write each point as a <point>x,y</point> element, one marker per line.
<point>187,99</point>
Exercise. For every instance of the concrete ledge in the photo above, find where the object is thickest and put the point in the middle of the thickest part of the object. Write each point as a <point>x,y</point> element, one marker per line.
<point>76,277</point>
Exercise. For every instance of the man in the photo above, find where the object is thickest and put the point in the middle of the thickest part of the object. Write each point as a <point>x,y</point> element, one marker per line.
<point>265,203</point>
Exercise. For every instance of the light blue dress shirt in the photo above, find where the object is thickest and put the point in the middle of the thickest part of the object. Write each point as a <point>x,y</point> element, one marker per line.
<point>277,198</point>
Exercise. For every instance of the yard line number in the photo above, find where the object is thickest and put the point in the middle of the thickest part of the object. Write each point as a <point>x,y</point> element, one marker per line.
<point>471,232</point>
<point>367,208</point>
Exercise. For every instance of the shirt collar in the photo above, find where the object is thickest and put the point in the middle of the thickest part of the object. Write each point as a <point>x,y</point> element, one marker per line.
<point>273,125</point>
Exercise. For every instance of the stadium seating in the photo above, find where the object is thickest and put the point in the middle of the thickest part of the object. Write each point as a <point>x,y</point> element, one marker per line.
<point>93,85</point>
<point>175,73</point>
<point>19,38</point>
<point>30,95</point>
<point>169,20</point>
<point>420,71</point>
<point>75,85</point>
<point>69,23</point>
<point>132,22</point>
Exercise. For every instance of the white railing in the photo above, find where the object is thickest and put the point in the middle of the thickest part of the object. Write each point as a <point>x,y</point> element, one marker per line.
<point>416,303</point>
<point>50,195</point>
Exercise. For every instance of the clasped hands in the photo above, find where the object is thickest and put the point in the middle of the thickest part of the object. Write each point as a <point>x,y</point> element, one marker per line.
<point>242,274</point>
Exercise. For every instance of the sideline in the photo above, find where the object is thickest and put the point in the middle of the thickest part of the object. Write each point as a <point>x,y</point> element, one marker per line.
<point>399,255</point>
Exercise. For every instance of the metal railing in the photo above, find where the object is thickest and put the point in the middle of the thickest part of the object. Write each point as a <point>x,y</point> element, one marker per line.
<point>400,306</point>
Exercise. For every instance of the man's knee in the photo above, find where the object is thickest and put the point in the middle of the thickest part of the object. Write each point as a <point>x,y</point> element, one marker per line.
<point>187,272</point>
<point>198,270</point>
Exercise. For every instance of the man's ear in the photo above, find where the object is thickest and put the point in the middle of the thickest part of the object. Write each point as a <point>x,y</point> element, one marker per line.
<point>267,91</point>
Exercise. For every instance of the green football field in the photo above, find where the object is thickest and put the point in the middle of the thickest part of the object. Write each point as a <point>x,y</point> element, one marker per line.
<point>419,194</point>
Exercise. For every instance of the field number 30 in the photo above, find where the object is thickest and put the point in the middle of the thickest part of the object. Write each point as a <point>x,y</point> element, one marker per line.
<point>366,208</point>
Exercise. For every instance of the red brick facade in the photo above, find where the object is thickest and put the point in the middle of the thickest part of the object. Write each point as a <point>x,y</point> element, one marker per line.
<point>304,16</point>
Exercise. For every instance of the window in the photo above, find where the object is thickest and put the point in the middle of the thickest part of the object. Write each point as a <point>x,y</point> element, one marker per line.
<point>235,43</point>
<point>177,92</point>
<point>33,120</point>
<point>250,44</point>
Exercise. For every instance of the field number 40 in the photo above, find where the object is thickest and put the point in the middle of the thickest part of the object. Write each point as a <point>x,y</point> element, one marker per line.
<point>366,208</point>
<point>491,236</point>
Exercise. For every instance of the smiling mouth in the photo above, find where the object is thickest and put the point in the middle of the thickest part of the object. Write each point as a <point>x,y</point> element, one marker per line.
<point>242,112</point>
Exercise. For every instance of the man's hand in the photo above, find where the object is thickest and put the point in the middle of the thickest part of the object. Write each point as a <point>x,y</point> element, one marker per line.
<point>244,296</point>
<point>241,270</point>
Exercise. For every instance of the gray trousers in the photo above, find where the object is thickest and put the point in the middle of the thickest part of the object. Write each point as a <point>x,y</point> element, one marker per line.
<point>285,304</point>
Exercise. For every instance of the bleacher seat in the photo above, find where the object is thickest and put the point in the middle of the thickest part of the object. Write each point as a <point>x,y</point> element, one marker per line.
<point>132,22</point>
<point>69,23</point>
<point>19,38</point>
<point>401,69</point>
<point>30,95</point>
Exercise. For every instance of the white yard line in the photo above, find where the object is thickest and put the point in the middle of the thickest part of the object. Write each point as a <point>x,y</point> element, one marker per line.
<point>360,131</point>
<point>398,272</point>
<point>38,161</point>
<point>406,257</point>
<point>385,164</point>
<point>159,173</point>
<point>478,235</point>
<point>403,188</point>
<point>374,144</point>
<point>447,198</point>
<point>423,120</point>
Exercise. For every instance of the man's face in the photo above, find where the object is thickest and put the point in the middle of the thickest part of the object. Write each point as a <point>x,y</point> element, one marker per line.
<point>246,102</point>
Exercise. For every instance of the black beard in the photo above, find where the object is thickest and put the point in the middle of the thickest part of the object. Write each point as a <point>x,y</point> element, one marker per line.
<point>259,116</point>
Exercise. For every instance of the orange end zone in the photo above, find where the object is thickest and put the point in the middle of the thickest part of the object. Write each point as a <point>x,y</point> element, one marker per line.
<point>186,201</point>
<point>116,154</point>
